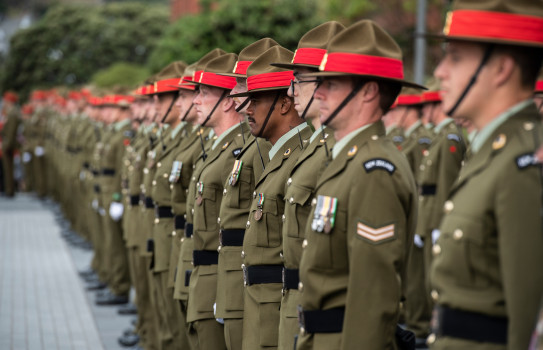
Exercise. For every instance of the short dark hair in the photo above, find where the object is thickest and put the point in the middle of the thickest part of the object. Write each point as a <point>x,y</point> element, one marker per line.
<point>528,59</point>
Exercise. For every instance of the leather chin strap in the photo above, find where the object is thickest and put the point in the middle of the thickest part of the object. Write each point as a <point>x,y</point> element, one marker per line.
<point>168,111</point>
<point>306,109</point>
<point>484,60</point>
<point>343,103</point>
<point>272,107</point>
<point>187,112</point>
<point>243,104</point>
<point>223,95</point>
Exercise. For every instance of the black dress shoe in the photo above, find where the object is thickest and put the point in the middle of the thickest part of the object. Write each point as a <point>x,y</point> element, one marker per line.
<point>96,286</point>
<point>129,339</point>
<point>100,294</point>
<point>112,300</point>
<point>129,309</point>
<point>87,272</point>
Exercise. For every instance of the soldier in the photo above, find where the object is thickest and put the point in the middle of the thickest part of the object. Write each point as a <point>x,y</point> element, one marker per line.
<point>164,216</point>
<point>303,176</point>
<point>120,133</point>
<point>272,116</point>
<point>438,170</point>
<point>235,206</point>
<point>491,229</point>
<point>217,111</point>
<point>11,114</point>
<point>352,272</point>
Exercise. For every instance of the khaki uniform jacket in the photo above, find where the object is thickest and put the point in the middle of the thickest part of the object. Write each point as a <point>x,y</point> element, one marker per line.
<point>491,234</point>
<point>397,136</point>
<point>183,196</point>
<point>360,265</point>
<point>263,244</point>
<point>9,131</point>
<point>234,210</point>
<point>438,171</point>
<point>213,174</point>
<point>415,145</point>
<point>161,194</point>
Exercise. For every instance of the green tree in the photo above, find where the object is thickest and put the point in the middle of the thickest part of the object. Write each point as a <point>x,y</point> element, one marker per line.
<point>122,74</point>
<point>71,42</point>
<point>232,25</point>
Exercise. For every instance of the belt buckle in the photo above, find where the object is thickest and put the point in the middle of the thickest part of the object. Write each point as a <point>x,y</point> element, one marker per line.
<point>245,275</point>
<point>301,319</point>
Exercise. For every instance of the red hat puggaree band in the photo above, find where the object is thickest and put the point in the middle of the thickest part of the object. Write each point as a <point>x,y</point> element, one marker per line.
<point>539,86</point>
<point>241,67</point>
<point>308,55</point>
<point>216,80</point>
<point>362,65</point>
<point>186,83</point>
<point>432,96</point>
<point>165,85</point>
<point>494,25</point>
<point>270,80</point>
<point>10,96</point>
<point>196,76</point>
<point>122,99</point>
<point>407,100</point>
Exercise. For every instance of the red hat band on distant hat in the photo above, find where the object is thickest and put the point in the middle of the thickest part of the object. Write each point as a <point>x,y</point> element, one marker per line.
<point>166,85</point>
<point>406,100</point>
<point>270,80</point>
<point>220,81</point>
<point>539,86</point>
<point>186,83</point>
<point>307,55</point>
<point>494,25</point>
<point>362,65</point>
<point>241,67</point>
<point>432,96</point>
<point>10,96</point>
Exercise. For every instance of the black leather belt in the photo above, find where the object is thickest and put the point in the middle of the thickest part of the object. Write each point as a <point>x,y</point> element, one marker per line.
<point>179,222</point>
<point>134,200</point>
<point>149,203</point>
<point>188,230</point>
<point>163,212</point>
<point>108,172</point>
<point>232,238</point>
<point>260,274</point>
<point>205,257</point>
<point>291,278</point>
<point>321,321</point>
<point>470,326</point>
<point>427,190</point>
<point>96,188</point>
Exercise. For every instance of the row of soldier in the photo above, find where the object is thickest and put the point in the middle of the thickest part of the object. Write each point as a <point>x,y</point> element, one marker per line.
<point>291,200</point>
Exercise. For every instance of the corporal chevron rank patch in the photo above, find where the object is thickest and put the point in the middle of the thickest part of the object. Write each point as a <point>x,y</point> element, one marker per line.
<point>375,235</point>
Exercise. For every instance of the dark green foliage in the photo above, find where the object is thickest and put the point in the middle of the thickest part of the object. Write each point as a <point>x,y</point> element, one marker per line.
<point>72,42</point>
<point>233,25</point>
<point>120,74</point>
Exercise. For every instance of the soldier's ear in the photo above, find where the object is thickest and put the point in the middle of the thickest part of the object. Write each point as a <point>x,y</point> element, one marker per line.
<point>228,103</point>
<point>286,104</point>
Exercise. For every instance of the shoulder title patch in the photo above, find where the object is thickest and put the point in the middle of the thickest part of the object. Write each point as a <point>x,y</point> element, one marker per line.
<point>425,141</point>
<point>379,163</point>
<point>453,137</point>
<point>397,139</point>
<point>236,152</point>
<point>525,160</point>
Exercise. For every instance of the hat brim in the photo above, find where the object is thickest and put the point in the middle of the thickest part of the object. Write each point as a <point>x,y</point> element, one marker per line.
<point>371,77</point>
<point>249,93</point>
<point>233,75</point>
<point>481,40</point>
<point>292,66</point>
<point>184,86</point>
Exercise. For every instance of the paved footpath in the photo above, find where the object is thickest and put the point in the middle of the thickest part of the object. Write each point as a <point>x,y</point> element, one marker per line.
<point>43,304</point>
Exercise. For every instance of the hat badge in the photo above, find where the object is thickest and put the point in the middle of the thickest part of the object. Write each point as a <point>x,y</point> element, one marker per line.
<point>448,21</point>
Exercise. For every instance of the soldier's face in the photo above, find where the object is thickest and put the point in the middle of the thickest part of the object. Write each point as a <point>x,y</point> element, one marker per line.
<point>164,102</point>
<point>204,102</point>
<point>330,93</point>
<point>184,102</point>
<point>302,90</point>
<point>454,72</point>
<point>257,111</point>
